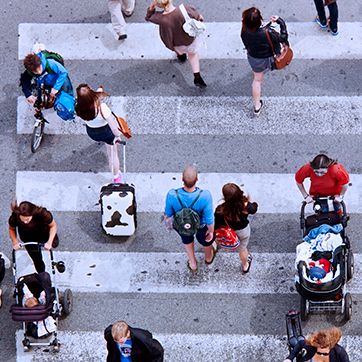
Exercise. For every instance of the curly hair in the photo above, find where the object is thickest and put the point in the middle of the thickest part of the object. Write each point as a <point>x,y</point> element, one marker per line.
<point>32,62</point>
<point>325,338</point>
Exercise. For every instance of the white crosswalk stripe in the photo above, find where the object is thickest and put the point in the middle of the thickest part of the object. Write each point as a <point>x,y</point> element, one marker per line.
<point>296,115</point>
<point>90,347</point>
<point>165,272</point>
<point>95,41</point>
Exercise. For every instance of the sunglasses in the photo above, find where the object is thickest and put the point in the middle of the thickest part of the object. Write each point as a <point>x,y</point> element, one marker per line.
<point>322,353</point>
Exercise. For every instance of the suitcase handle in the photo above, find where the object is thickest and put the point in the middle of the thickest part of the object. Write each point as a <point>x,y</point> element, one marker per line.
<point>124,159</point>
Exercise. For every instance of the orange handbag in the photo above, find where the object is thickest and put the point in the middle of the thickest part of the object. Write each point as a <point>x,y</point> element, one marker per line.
<point>123,126</point>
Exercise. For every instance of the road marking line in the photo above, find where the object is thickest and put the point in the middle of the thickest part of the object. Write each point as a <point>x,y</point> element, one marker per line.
<point>296,115</point>
<point>74,41</point>
<point>271,273</point>
<point>79,191</point>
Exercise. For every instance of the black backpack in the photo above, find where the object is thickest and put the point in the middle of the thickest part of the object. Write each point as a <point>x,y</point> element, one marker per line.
<point>186,221</point>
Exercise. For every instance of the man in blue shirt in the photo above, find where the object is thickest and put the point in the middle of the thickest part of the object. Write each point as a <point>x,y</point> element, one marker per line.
<point>128,344</point>
<point>203,206</point>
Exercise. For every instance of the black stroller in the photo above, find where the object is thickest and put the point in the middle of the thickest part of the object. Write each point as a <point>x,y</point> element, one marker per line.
<point>331,295</point>
<point>56,304</point>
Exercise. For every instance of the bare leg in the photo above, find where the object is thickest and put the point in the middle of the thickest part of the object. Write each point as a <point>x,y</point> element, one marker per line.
<point>190,251</point>
<point>208,252</point>
<point>194,60</point>
<point>113,149</point>
<point>243,255</point>
<point>256,89</point>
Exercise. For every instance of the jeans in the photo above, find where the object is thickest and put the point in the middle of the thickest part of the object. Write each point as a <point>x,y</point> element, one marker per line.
<point>333,14</point>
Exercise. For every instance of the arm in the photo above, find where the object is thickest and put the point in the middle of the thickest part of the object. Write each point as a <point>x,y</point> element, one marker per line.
<point>307,198</point>
<point>25,83</point>
<point>283,34</point>
<point>209,217</point>
<point>13,237</point>
<point>193,13</point>
<point>342,354</point>
<point>61,73</point>
<point>152,15</point>
<point>52,233</point>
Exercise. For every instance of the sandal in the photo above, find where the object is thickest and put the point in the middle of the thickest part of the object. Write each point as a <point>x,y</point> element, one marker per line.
<point>214,251</point>
<point>189,267</point>
<point>250,259</point>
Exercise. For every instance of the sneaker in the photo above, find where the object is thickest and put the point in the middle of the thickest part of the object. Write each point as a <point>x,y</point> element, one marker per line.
<point>334,32</point>
<point>257,111</point>
<point>121,36</point>
<point>182,58</point>
<point>199,82</point>
<point>323,26</point>
<point>118,180</point>
<point>126,14</point>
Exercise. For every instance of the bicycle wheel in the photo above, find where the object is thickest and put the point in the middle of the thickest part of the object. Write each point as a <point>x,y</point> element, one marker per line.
<point>37,136</point>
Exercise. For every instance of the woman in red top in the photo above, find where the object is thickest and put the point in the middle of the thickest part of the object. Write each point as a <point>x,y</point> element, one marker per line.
<point>327,177</point>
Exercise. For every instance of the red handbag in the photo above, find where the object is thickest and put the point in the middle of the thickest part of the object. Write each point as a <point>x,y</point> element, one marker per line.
<point>226,238</point>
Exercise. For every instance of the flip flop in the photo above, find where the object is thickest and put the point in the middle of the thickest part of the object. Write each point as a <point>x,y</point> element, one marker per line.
<point>250,259</point>
<point>189,268</point>
<point>214,251</point>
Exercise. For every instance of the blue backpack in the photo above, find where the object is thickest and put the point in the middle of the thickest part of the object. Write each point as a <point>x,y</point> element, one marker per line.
<point>64,105</point>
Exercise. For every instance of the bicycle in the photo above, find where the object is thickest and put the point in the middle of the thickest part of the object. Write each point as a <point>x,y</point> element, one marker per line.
<point>39,124</point>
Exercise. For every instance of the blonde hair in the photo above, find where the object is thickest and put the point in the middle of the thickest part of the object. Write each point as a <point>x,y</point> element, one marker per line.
<point>325,338</point>
<point>31,302</point>
<point>163,3</point>
<point>119,330</point>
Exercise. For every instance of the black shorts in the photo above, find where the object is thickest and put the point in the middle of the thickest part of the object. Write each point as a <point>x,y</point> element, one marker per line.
<point>101,134</point>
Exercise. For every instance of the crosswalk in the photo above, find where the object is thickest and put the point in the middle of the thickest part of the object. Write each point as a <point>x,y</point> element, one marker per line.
<point>216,314</point>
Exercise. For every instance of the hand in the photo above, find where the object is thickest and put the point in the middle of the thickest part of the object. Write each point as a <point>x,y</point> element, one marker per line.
<point>338,198</point>
<point>31,100</point>
<point>274,18</point>
<point>53,92</point>
<point>17,246</point>
<point>308,199</point>
<point>153,5</point>
<point>201,18</point>
<point>117,140</point>
<point>48,245</point>
<point>209,236</point>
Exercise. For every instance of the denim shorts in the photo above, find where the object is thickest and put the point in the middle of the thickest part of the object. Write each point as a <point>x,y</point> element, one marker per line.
<point>200,237</point>
<point>101,134</point>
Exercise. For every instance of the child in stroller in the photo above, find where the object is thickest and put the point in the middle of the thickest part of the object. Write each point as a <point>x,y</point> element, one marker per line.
<point>39,304</point>
<point>324,262</point>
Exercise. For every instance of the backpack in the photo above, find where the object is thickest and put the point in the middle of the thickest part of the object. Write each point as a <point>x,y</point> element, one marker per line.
<point>51,55</point>
<point>186,221</point>
<point>64,105</point>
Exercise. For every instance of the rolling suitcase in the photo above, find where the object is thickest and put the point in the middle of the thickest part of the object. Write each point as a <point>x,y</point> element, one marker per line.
<point>118,205</point>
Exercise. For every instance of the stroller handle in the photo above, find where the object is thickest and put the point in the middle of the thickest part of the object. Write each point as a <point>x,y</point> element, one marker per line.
<point>39,245</point>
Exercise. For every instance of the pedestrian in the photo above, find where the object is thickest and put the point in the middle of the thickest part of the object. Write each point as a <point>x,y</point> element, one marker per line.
<point>191,210</point>
<point>170,21</point>
<point>327,178</point>
<point>118,8</point>
<point>4,264</point>
<point>259,51</point>
<point>33,224</point>
<point>125,343</point>
<point>321,346</point>
<point>101,124</point>
<point>321,19</point>
<point>233,213</point>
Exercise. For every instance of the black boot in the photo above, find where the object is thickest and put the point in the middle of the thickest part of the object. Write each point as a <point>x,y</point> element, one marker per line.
<point>198,81</point>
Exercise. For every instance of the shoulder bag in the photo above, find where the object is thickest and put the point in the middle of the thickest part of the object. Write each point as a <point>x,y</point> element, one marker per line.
<point>123,126</point>
<point>286,56</point>
<point>191,26</point>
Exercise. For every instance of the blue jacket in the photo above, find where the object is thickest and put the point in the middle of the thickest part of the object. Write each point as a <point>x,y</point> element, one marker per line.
<point>323,229</point>
<point>203,205</point>
<point>57,79</point>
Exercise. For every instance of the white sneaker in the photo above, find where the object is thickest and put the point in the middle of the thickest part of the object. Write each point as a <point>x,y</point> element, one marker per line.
<point>7,261</point>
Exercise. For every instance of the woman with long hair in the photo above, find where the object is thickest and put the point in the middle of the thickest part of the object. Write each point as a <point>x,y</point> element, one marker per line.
<point>170,21</point>
<point>327,178</point>
<point>33,224</point>
<point>101,125</point>
<point>260,53</point>
<point>233,212</point>
<point>321,346</point>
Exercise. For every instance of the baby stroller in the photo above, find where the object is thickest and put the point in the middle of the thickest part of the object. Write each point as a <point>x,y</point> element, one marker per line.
<point>56,305</point>
<point>328,293</point>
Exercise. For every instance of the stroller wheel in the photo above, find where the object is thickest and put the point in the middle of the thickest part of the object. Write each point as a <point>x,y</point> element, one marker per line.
<point>67,302</point>
<point>347,307</point>
<point>26,345</point>
<point>56,345</point>
<point>303,309</point>
<point>350,265</point>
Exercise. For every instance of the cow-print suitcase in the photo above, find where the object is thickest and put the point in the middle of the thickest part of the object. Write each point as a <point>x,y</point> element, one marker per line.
<point>118,206</point>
